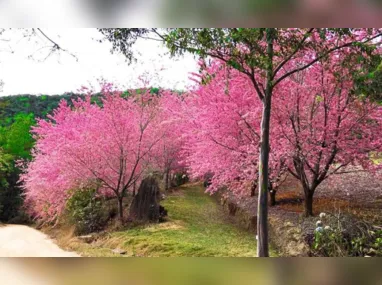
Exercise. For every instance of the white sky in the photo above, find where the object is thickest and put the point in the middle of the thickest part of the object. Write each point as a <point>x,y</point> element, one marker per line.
<point>61,73</point>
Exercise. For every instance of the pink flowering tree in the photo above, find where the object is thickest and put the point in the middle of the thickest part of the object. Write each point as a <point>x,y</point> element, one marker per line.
<point>109,145</point>
<point>322,128</point>
<point>167,156</point>
<point>221,123</point>
<point>318,129</point>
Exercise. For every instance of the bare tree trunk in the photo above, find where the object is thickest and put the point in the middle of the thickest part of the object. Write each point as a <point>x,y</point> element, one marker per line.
<point>167,178</point>
<point>134,188</point>
<point>272,195</point>
<point>308,210</point>
<point>253,189</point>
<point>120,208</point>
<point>262,209</point>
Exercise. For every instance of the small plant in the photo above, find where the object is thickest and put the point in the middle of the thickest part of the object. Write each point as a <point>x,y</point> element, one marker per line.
<point>337,236</point>
<point>378,240</point>
<point>328,242</point>
<point>86,211</point>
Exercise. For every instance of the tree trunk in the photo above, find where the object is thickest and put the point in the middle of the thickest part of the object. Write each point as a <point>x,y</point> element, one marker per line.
<point>134,187</point>
<point>167,174</point>
<point>120,208</point>
<point>272,195</point>
<point>253,190</point>
<point>262,209</point>
<point>308,211</point>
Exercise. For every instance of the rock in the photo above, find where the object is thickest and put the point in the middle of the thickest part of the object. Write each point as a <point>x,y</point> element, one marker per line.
<point>119,251</point>
<point>145,205</point>
<point>372,252</point>
<point>86,238</point>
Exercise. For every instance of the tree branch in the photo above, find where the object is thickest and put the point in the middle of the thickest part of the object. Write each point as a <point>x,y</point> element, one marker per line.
<point>322,56</point>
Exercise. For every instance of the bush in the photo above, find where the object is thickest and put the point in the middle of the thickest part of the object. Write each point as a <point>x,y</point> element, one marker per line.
<point>86,211</point>
<point>11,199</point>
<point>179,179</point>
<point>337,236</point>
<point>22,218</point>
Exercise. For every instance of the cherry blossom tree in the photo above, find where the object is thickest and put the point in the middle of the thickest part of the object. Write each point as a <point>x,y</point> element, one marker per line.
<point>322,128</point>
<point>318,129</point>
<point>109,145</point>
<point>221,122</point>
<point>168,152</point>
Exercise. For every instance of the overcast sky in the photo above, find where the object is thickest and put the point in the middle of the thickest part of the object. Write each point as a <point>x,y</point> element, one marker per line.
<point>61,72</point>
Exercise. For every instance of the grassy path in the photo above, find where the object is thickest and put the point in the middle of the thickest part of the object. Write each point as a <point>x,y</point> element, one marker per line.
<point>196,226</point>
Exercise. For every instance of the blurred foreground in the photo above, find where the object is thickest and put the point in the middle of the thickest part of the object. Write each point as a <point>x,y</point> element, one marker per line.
<point>190,271</point>
<point>223,13</point>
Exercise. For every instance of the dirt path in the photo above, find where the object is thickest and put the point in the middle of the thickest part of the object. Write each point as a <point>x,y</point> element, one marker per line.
<point>23,241</point>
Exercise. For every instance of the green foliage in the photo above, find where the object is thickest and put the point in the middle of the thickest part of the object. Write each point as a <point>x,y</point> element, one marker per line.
<point>154,90</point>
<point>338,241</point>
<point>5,168</point>
<point>11,199</point>
<point>369,85</point>
<point>16,139</point>
<point>5,162</point>
<point>40,106</point>
<point>179,179</point>
<point>86,211</point>
<point>96,100</point>
<point>15,143</point>
<point>125,94</point>
<point>330,243</point>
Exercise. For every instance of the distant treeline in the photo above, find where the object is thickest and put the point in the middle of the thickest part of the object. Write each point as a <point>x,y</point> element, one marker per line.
<point>39,106</point>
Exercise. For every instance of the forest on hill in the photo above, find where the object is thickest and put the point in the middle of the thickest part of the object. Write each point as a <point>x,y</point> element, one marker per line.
<point>39,106</point>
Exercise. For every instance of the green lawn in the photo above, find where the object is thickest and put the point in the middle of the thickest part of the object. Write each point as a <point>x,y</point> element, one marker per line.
<point>196,226</point>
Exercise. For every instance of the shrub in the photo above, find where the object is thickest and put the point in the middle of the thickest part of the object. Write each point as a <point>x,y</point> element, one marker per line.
<point>338,236</point>
<point>22,218</point>
<point>180,179</point>
<point>11,199</point>
<point>86,211</point>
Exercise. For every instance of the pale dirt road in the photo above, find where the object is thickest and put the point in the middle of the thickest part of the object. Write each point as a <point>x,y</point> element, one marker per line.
<point>23,241</point>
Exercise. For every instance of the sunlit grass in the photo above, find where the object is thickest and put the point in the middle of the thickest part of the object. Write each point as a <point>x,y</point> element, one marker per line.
<point>196,226</point>
<point>376,157</point>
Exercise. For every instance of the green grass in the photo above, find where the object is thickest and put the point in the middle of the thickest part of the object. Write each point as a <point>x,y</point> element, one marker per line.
<point>376,157</point>
<point>196,226</point>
